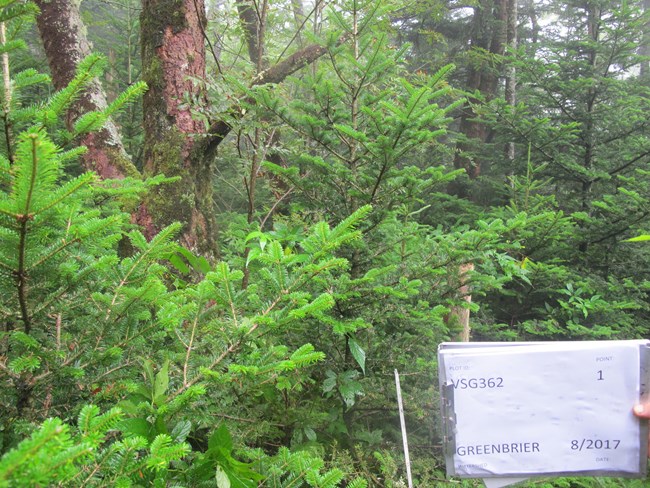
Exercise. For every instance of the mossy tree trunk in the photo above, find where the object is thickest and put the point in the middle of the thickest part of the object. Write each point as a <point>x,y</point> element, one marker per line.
<point>173,52</point>
<point>64,40</point>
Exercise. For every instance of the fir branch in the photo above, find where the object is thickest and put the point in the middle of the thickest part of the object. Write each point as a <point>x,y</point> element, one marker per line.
<point>65,191</point>
<point>191,343</point>
<point>53,253</point>
<point>275,74</point>
<point>51,430</point>
<point>7,371</point>
<point>21,278</point>
<point>6,106</point>
<point>161,239</point>
<point>7,267</point>
<point>32,179</point>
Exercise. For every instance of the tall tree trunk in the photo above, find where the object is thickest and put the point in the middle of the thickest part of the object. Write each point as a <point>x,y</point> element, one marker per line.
<point>173,52</point>
<point>644,47</point>
<point>65,43</point>
<point>458,316</point>
<point>488,37</point>
<point>252,17</point>
<point>511,72</point>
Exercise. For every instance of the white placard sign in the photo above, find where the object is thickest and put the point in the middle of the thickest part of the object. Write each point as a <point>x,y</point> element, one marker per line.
<point>532,409</point>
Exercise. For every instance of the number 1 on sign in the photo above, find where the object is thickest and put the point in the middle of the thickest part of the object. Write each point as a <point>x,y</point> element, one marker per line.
<point>600,375</point>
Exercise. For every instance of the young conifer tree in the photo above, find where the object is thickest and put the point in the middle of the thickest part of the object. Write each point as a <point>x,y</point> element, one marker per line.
<point>55,243</point>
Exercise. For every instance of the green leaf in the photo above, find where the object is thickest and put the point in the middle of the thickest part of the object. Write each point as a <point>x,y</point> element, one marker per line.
<point>136,427</point>
<point>358,354</point>
<point>240,475</point>
<point>641,238</point>
<point>310,434</point>
<point>179,264</point>
<point>222,478</point>
<point>330,382</point>
<point>220,439</point>
<point>147,365</point>
<point>162,382</point>
<point>181,430</point>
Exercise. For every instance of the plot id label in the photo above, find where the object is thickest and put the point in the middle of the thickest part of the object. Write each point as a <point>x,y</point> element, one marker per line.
<point>543,408</point>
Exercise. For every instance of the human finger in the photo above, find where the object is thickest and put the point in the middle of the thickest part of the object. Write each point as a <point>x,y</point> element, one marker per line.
<point>642,410</point>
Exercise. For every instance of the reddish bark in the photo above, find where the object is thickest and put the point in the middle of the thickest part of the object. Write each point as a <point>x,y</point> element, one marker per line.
<point>173,52</point>
<point>65,44</point>
<point>182,55</point>
<point>142,216</point>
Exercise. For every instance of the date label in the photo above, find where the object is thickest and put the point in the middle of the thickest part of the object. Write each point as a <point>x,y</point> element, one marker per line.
<point>594,444</point>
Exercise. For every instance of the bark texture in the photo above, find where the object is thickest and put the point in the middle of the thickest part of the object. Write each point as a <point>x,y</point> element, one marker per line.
<point>458,316</point>
<point>250,16</point>
<point>65,43</point>
<point>173,52</point>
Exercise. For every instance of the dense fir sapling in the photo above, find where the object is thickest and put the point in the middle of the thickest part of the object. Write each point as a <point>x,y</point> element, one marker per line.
<point>579,126</point>
<point>54,244</point>
<point>155,416</point>
<point>79,318</point>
